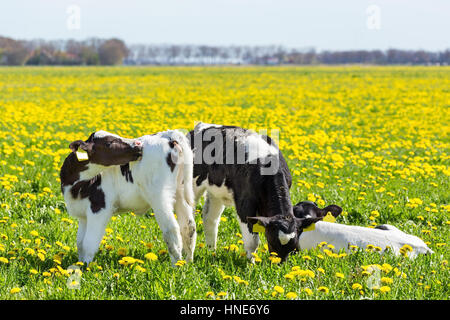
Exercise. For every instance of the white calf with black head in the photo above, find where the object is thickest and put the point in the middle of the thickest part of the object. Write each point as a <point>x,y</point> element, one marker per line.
<point>240,168</point>
<point>115,174</point>
<point>343,236</point>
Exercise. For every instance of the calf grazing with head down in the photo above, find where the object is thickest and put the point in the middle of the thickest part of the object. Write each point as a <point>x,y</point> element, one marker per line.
<point>343,236</point>
<point>240,168</point>
<point>108,174</point>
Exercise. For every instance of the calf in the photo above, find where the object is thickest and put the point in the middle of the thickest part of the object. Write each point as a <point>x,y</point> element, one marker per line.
<point>108,179</point>
<point>343,236</point>
<point>237,167</point>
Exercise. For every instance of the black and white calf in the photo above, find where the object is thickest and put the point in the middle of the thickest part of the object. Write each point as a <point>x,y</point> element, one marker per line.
<point>240,168</point>
<point>118,174</point>
<point>343,236</point>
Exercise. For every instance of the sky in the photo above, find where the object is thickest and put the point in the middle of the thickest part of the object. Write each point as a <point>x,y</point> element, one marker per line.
<point>319,24</point>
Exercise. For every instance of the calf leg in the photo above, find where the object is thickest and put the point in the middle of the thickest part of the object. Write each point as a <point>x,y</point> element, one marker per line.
<point>187,225</point>
<point>95,228</point>
<point>251,240</point>
<point>212,210</point>
<point>162,205</point>
<point>82,223</point>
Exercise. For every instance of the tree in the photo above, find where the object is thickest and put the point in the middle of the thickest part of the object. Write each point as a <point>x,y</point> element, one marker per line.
<point>13,53</point>
<point>112,52</point>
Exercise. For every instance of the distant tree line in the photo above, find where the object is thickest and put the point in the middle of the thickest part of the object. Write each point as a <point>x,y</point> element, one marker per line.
<point>275,55</point>
<point>62,52</point>
<point>115,52</point>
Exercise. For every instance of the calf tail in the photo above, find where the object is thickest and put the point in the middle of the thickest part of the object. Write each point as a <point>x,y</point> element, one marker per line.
<point>186,161</point>
<point>188,172</point>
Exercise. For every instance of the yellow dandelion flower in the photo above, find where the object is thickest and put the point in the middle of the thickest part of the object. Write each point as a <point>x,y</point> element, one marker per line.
<point>151,256</point>
<point>291,295</point>
<point>139,268</point>
<point>385,289</point>
<point>323,289</point>
<point>278,289</point>
<point>308,291</point>
<point>180,263</point>
<point>386,280</point>
<point>34,233</point>
<point>356,286</point>
<point>14,290</point>
<point>289,276</point>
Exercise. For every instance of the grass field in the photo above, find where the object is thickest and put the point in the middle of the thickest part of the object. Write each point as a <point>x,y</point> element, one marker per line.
<point>374,140</point>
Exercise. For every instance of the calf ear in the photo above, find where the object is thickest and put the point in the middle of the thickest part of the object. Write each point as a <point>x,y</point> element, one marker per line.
<point>303,223</point>
<point>75,145</point>
<point>334,209</point>
<point>79,144</point>
<point>263,220</point>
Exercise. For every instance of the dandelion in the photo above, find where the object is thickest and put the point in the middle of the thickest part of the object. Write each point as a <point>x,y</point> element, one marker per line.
<point>356,286</point>
<point>34,233</point>
<point>323,289</point>
<point>386,267</point>
<point>308,291</point>
<point>69,221</point>
<point>125,261</point>
<point>385,289</point>
<point>4,260</point>
<point>375,213</point>
<point>73,284</point>
<point>289,276</point>
<point>180,263</point>
<point>139,268</point>
<point>386,280</point>
<point>291,295</point>
<point>14,290</point>
<point>323,243</point>
<point>151,256</point>
<point>274,260</point>
<point>278,289</point>
<point>30,251</point>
